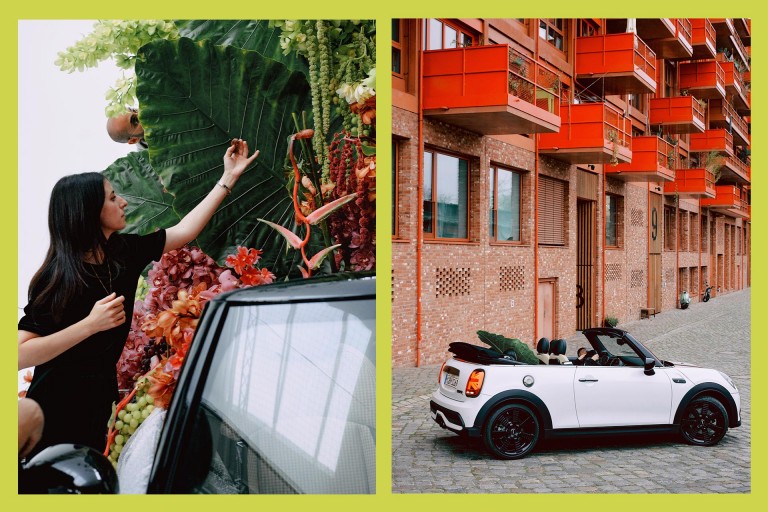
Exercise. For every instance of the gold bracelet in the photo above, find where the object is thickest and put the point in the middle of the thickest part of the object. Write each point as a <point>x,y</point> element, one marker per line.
<point>229,190</point>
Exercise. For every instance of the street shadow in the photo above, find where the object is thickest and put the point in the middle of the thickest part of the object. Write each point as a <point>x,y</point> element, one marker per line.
<point>474,449</point>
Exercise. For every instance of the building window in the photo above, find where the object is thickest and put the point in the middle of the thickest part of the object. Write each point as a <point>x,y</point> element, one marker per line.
<point>669,228</point>
<point>446,196</point>
<point>439,34</point>
<point>397,48</point>
<point>683,230</point>
<point>552,211</point>
<point>614,220</point>
<point>704,233</point>
<point>395,210</point>
<point>505,205</point>
<point>670,75</point>
<point>586,27</point>
<point>552,30</point>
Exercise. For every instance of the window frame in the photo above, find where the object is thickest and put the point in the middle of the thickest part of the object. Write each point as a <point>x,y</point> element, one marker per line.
<point>397,46</point>
<point>549,25</point>
<point>426,29</point>
<point>433,199</point>
<point>395,191</point>
<point>559,236</point>
<point>618,222</point>
<point>670,228</point>
<point>493,210</point>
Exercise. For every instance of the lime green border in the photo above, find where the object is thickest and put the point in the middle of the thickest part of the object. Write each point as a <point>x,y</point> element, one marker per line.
<point>383,11</point>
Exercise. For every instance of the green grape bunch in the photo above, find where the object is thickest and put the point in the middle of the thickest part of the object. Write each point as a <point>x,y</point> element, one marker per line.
<point>119,40</point>
<point>129,418</point>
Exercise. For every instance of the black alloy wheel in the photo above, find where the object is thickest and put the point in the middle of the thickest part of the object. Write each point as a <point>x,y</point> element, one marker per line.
<point>512,431</point>
<point>704,422</point>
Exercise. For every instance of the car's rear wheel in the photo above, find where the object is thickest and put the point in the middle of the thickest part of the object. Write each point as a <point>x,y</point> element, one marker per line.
<point>704,421</point>
<point>512,431</point>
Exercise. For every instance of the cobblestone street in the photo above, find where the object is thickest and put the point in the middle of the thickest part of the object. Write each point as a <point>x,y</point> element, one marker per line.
<point>428,459</point>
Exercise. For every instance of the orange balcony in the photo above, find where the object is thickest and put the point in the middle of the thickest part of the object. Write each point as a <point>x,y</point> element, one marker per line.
<point>590,133</point>
<point>669,38</point>
<point>653,159</point>
<point>719,141</point>
<point>735,170</point>
<point>679,114</point>
<point>703,79</point>
<point>728,200</point>
<point>735,86</point>
<point>616,64</point>
<point>727,37</point>
<point>691,183</point>
<point>722,115</point>
<point>492,90</point>
<point>703,39</point>
<point>743,28</point>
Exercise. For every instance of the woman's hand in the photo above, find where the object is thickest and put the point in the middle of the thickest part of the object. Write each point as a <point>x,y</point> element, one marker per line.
<point>236,159</point>
<point>107,313</point>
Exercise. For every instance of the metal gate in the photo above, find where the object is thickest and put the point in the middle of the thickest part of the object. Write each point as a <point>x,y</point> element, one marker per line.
<point>585,257</point>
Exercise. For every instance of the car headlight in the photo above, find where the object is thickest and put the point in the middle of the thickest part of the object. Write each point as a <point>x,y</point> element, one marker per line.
<point>729,381</point>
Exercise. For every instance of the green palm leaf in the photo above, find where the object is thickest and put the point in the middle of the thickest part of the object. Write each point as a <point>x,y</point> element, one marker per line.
<point>195,97</point>
<point>150,207</point>
<point>255,35</point>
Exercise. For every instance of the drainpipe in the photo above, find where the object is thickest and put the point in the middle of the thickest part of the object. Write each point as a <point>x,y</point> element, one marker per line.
<point>536,240</point>
<point>536,216</point>
<point>648,259</point>
<point>701,235</point>
<point>420,205</point>
<point>677,247</point>
<point>602,244</point>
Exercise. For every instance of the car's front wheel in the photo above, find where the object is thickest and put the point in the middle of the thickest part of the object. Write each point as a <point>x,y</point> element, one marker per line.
<point>512,431</point>
<point>704,421</point>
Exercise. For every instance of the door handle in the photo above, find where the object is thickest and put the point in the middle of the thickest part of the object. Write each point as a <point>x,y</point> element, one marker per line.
<point>588,380</point>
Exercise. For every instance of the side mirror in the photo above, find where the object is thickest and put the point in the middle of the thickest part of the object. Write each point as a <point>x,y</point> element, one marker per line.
<point>68,469</point>
<point>649,365</point>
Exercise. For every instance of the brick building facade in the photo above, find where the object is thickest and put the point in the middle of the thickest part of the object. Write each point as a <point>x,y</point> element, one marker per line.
<point>548,173</point>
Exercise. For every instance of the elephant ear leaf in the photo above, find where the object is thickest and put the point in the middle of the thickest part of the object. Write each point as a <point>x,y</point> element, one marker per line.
<point>150,206</point>
<point>254,35</point>
<point>195,98</point>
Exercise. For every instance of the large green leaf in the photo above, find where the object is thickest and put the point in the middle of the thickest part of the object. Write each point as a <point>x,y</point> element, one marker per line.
<point>255,35</point>
<point>195,97</point>
<point>150,207</point>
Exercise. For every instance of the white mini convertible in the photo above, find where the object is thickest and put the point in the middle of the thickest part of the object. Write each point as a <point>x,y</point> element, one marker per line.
<point>617,387</point>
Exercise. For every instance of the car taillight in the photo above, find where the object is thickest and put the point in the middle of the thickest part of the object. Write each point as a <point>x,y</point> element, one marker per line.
<point>440,375</point>
<point>475,383</point>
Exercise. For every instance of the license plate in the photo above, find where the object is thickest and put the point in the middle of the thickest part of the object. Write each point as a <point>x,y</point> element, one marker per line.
<point>451,381</point>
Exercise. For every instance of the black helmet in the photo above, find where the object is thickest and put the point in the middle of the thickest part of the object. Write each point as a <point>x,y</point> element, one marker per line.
<point>68,469</point>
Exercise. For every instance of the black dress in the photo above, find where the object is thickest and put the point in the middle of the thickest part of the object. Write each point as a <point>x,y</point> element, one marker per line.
<point>76,389</point>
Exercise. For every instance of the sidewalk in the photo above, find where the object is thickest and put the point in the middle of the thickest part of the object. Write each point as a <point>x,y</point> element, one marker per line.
<point>716,334</point>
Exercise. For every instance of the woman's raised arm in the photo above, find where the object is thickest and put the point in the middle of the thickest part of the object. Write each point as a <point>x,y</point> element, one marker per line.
<point>236,160</point>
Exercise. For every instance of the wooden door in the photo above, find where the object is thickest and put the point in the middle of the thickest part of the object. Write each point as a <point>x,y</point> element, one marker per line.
<point>655,242</point>
<point>547,311</point>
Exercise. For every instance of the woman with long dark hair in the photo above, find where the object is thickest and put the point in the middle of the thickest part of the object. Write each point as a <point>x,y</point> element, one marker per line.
<point>81,299</point>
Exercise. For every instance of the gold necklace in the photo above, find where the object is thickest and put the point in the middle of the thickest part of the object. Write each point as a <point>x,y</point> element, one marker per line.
<point>96,273</point>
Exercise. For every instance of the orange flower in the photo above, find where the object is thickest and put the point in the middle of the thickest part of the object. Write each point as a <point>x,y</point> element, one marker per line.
<point>244,258</point>
<point>161,387</point>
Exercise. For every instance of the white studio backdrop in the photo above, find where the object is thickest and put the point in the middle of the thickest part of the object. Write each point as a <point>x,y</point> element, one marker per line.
<point>62,130</point>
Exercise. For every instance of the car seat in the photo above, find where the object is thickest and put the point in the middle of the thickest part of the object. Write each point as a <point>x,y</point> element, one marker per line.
<point>542,350</point>
<point>557,352</point>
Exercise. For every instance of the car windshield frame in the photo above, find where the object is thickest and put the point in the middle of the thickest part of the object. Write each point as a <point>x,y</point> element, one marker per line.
<point>623,340</point>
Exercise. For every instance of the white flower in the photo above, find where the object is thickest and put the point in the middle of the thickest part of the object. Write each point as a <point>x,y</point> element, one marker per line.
<point>371,80</point>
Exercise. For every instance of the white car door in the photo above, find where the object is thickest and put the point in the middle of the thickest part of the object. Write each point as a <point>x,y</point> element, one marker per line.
<point>621,396</point>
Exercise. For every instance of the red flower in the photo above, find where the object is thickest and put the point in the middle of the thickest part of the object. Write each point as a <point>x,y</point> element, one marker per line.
<point>254,277</point>
<point>244,258</point>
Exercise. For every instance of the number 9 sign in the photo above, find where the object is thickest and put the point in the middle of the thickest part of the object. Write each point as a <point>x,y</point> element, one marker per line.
<point>654,223</point>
